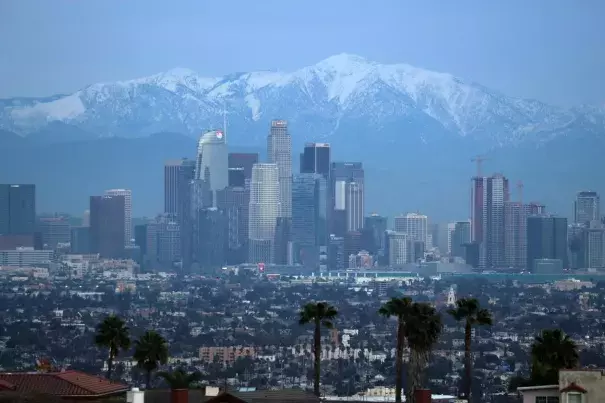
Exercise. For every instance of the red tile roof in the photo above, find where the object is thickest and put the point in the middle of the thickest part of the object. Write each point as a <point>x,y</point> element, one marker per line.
<point>6,386</point>
<point>66,383</point>
<point>573,387</point>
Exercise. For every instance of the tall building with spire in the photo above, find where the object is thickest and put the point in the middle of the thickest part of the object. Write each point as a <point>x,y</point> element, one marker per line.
<point>279,152</point>
<point>263,212</point>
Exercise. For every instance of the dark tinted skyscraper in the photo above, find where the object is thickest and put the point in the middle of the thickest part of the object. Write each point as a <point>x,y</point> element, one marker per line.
<point>243,160</point>
<point>17,209</point>
<point>177,175</point>
<point>107,225</point>
<point>376,225</point>
<point>237,177</point>
<point>305,218</point>
<point>546,239</point>
<point>461,236</point>
<point>315,159</point>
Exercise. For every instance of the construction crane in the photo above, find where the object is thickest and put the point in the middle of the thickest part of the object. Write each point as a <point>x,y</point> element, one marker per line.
<point>478,159</point>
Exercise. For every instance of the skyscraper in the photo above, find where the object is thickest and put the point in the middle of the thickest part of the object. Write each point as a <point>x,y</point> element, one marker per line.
<point>587,207</point>
<point>54,230</point>
<point>235,201</point>
<point>487,219</point>
<point>414,225</point>
<point>340,174</point>
<point>177,175</point>
<point>398,248</point>
<point>515,232</point>
<point>263,212</point>
<point>546,239</point>
<point>279,152</point>
<point>347,171</point>
<point>376,225</point>
<point>594,246</point>
<point>354,205</point>
<point>17,209</point>
<point>212,164</point>
<point>308,217</point>
<point>315,159</point>
<point>237,177</point>
<point>127,193</point>
<point>245,161</point>
<point>460,236</point>
<point>107,225</point>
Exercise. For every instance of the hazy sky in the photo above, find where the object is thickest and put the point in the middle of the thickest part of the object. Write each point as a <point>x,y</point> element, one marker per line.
<point>551,50</point>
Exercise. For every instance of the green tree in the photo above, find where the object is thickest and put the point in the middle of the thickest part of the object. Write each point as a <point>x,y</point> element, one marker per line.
<point>319,314</point>
<point>150,351</point>
<point>400,308</point>
<point>469,311</point>
<point>112,333</point>
<point>180,379</point>
<point>552,351</point>
<point>423,328</point>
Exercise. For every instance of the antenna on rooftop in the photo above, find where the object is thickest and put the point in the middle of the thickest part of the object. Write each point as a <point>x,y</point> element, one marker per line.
<point>225,120</point>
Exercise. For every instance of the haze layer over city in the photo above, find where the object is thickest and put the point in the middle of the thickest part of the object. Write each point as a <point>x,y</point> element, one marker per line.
<point>302,201</point>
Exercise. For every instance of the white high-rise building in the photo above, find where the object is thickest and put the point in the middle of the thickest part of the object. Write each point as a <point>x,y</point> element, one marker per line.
<point>413,224</point>
<point>279,152</point>
<point>127,193</point>
<point>264,209</point>
<point>212,163</point>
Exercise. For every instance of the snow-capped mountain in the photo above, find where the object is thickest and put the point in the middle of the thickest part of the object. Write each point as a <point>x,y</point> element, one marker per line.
<point>337,94</point>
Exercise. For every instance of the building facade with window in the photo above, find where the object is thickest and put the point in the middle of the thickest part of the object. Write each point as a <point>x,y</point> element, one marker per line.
<point>575,386</point>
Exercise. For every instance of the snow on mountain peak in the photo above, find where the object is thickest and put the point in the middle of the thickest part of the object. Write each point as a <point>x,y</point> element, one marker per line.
<point>344,62</point>
<point>349,83</point>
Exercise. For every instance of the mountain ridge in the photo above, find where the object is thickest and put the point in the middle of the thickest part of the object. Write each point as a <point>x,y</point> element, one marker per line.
<point>414,130</point>
<point>180,100</point>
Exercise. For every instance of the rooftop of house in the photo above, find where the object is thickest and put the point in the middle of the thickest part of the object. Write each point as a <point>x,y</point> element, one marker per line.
<point>64,384</point>
<point>256,396</point>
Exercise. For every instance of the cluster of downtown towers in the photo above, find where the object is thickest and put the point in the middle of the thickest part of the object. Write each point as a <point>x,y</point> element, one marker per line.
<point>230,208</point>
<point>226,208</point>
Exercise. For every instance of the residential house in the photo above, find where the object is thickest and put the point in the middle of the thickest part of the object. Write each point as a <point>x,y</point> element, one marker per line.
<point>70,385</point>
<point>575,386</point>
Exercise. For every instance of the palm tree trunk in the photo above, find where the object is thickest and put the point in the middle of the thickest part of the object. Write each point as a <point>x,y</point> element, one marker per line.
<point>415,367</point>
<point>148,380</point>
<point>317,356</point>
<point>109,367</point>
<point>467,361</point>
<point>399,361</point>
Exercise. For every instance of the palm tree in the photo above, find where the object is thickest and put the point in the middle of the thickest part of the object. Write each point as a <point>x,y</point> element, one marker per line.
<point>400,308</point>
<point>150,351</point>
<point>552,351</point>
<point>469,311</point>
<point>320,314</point>
<point>112,334</point>
<point>180,379</point>
<point>422,330</point>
